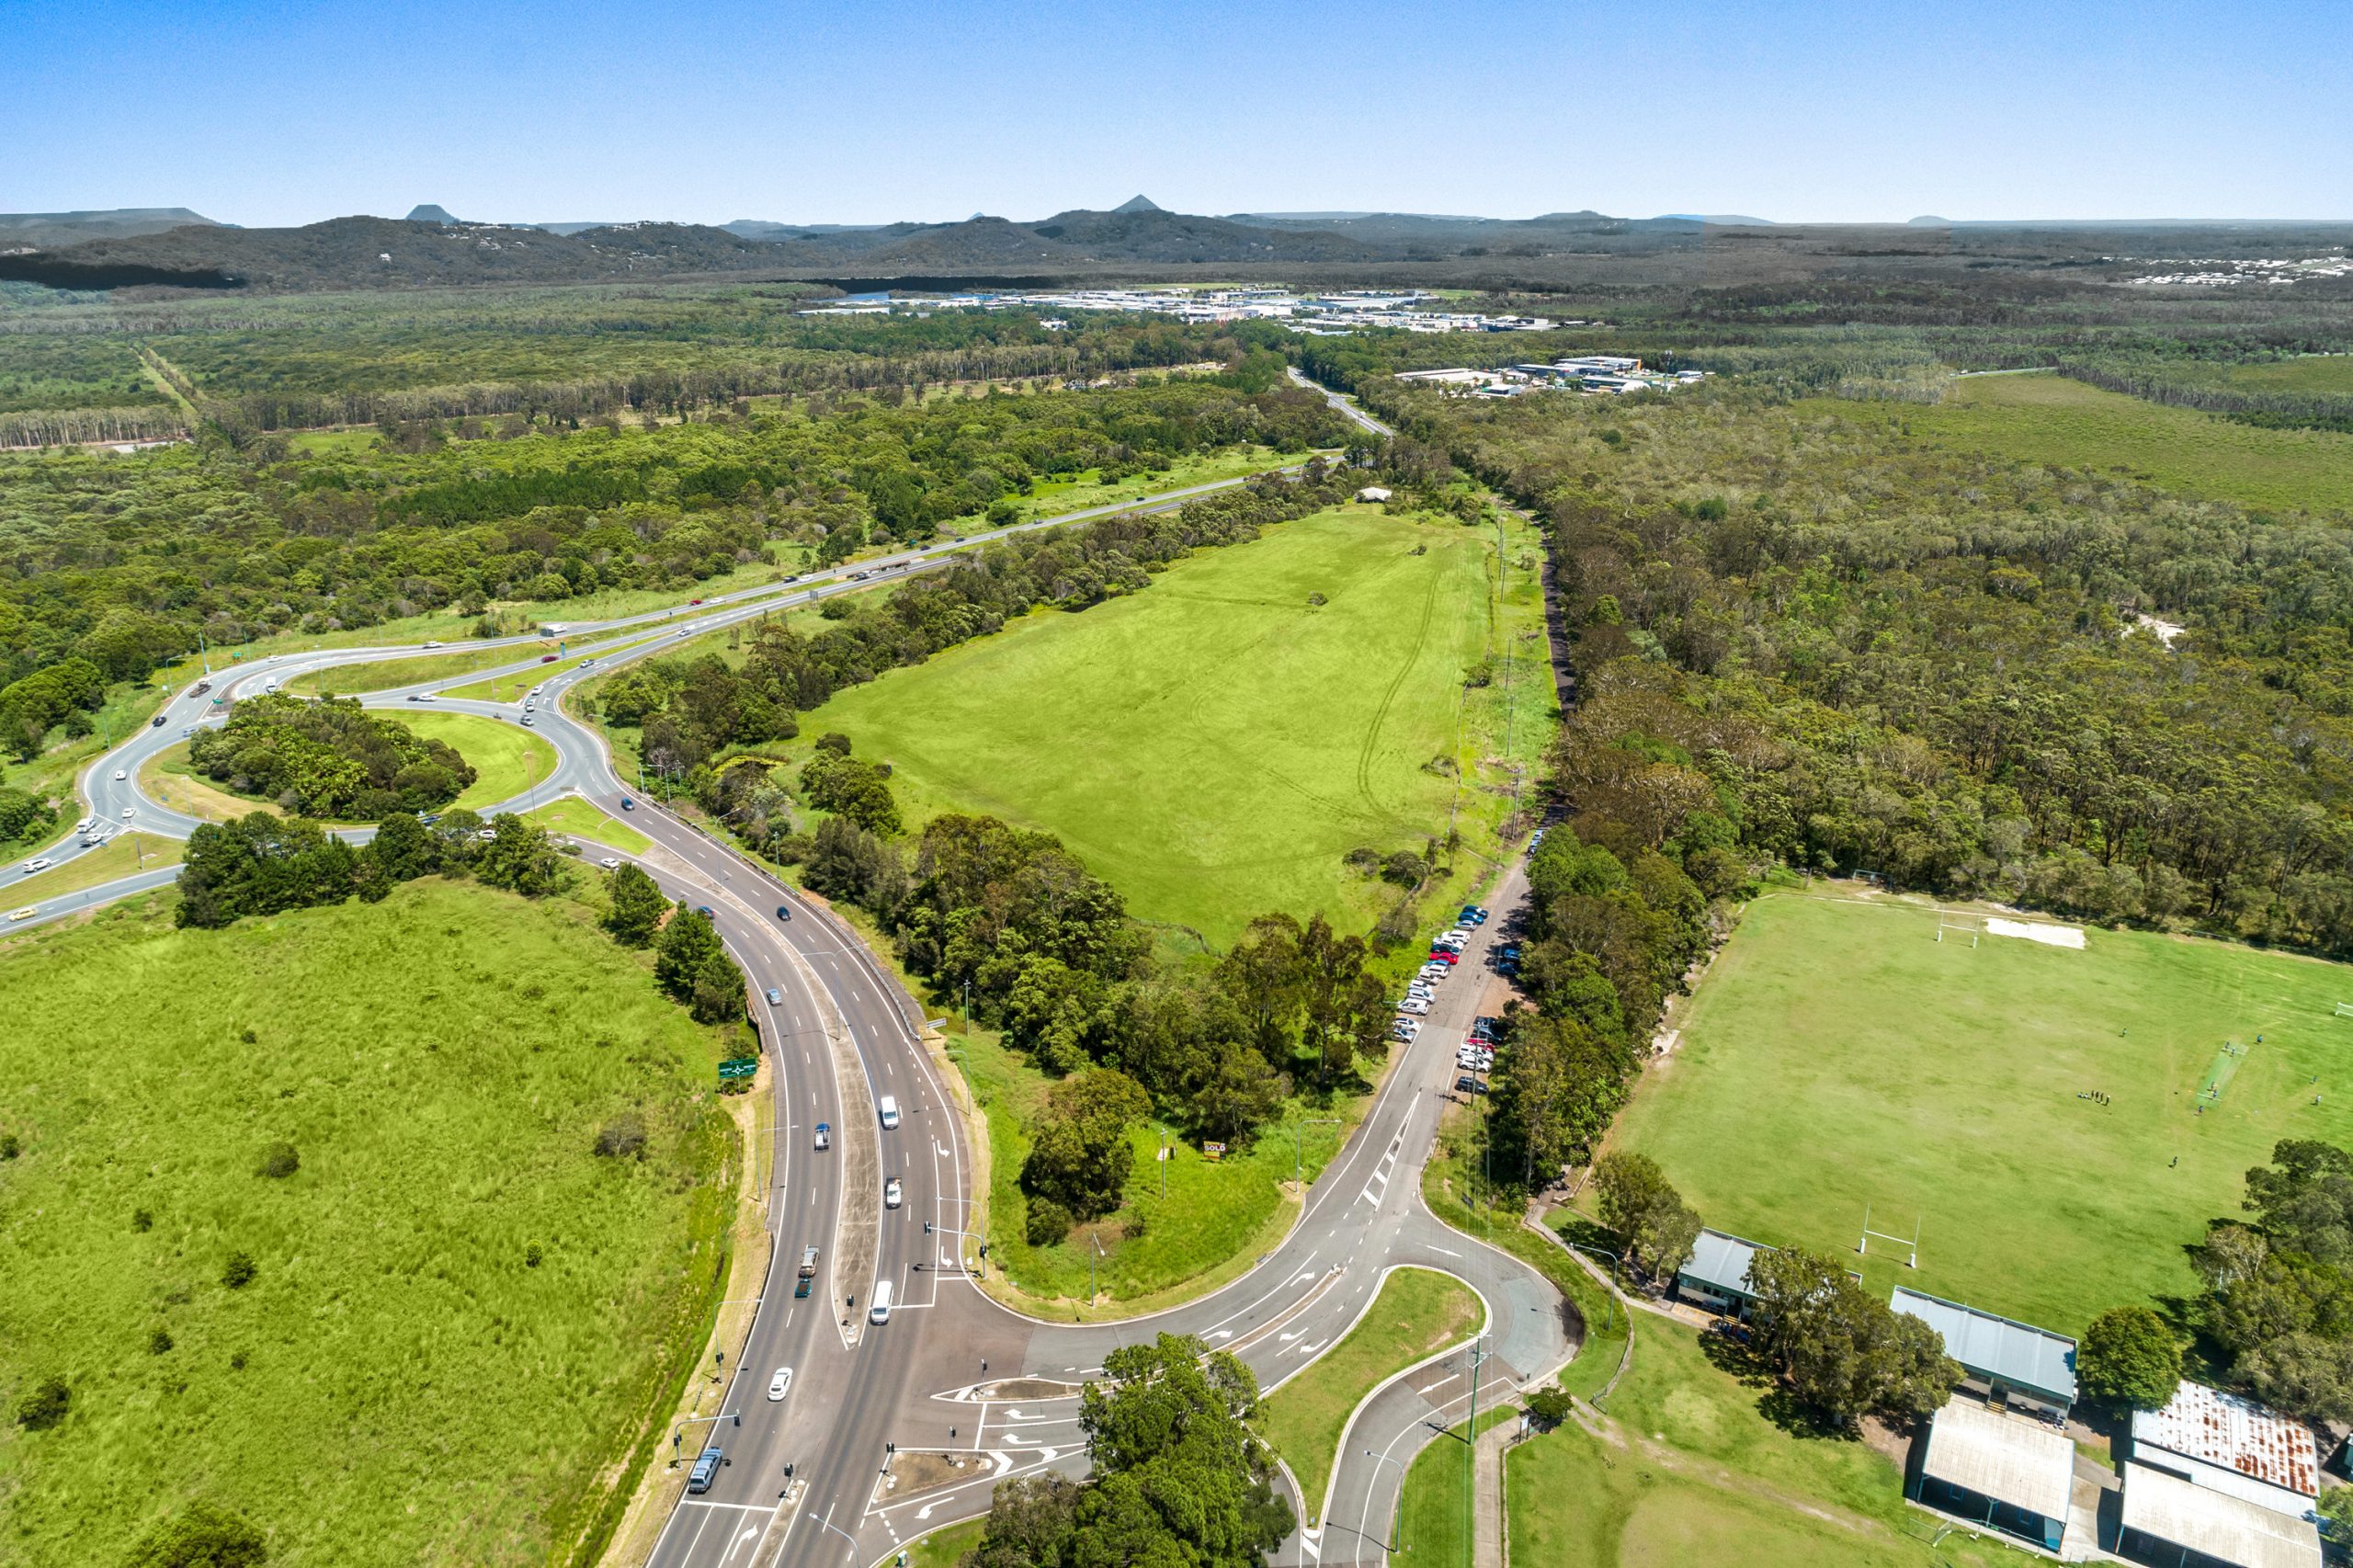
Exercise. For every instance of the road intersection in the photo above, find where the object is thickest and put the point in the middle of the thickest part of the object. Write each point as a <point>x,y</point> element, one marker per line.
<point>892,1428</point>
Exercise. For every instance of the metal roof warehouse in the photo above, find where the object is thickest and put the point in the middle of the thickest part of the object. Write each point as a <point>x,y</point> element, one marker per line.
<point>2001,1354</point>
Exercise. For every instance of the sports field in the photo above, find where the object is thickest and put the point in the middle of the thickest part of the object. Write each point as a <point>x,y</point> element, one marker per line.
<point>2066,424</point>
<point>1215,745</point>
<point>1837,1055</point>
<point>453,1298</point>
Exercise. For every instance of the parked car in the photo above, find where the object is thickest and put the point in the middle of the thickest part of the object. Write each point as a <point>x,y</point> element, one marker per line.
<point>1413,1005</point>
<point>1470,1085</point>
<point>1446,957</point>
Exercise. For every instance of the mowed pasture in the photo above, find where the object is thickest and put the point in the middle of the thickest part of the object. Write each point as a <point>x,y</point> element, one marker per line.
<point>1215,745</point>
<point>2052,420</point>
<point>460,1321</point>
<point>1837,1054</point>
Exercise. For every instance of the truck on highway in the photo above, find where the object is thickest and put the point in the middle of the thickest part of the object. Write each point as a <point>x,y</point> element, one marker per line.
<point>808,1271</point>
<point>201,687</point>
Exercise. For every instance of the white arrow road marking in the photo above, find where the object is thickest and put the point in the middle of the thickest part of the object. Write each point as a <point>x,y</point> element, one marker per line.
<point>1222,1333</point>
<point>925,1512</point>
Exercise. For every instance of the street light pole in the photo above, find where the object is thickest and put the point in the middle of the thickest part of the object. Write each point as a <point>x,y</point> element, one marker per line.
<point>1391,1544</point>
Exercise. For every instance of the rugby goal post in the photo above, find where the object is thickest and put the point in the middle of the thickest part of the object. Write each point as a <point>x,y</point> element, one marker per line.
<point>1910,1243</point>
<point>1969,931</point>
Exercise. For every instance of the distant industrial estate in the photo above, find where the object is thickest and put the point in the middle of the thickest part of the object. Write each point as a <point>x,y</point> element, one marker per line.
<point>1322,315</point>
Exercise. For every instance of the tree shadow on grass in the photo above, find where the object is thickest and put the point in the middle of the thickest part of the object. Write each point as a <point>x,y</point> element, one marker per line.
<point>1755,1372</point>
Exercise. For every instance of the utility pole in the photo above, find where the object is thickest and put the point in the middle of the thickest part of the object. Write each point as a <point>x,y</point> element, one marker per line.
<point>1471,1455</point>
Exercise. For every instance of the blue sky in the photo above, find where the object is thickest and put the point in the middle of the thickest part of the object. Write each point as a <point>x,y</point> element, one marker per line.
<point>584,110</point>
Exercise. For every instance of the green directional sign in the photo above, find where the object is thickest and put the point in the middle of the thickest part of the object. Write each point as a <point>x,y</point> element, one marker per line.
<point>739,1067</point>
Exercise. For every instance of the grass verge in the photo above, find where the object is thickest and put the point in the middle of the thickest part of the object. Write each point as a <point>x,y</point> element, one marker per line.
<point>1417,1313</point>
<point>1432,1515</point>
<point>126,855</point>
<point>577,817</point>
<point>508,759</point>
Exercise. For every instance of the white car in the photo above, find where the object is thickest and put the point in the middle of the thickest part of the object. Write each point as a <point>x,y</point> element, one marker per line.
<point>891,1193</point>
<point>781,1383</point>
<point>1435,972</point>
<point>121,774</point>
<point>1413,1005</point>
<point>86,824</point>
<point>429,697</point>
<point>611,862</point>
<point>126,813</point>
<point>43,864</point>
<point>488,836</point>
<point>433,644</point>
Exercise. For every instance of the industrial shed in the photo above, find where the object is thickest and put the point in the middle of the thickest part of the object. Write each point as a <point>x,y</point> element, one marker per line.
<point>1716,1277</point>
<point>2007,1362</point>
<point>2000,1472</point>
<point>2172,1523</point>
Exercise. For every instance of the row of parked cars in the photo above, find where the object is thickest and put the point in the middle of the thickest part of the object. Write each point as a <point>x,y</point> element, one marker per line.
<point>1445,951</point>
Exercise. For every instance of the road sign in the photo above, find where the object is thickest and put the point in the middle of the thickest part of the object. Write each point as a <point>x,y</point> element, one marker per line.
<point>739,1067</point>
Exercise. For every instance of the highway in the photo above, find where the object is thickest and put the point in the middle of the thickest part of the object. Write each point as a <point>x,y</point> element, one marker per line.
<point>968,1391</point>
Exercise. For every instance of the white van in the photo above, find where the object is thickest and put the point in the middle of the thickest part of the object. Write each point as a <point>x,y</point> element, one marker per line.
<point>890,1122</point>
<point>880,1311</point>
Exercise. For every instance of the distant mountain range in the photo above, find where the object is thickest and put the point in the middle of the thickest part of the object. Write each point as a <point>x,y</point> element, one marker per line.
<point>173,247</point>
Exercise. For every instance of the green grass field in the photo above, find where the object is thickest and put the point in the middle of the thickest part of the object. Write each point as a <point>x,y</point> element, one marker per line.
<point>1214,745</point>
<point>1689,1468</point>
<point>1418,1313</point>
<point>1839,1056</point>
<point>383,674</point>
<point>1433,1506</point>
<point>402,1382</point>
<point>2066,424</point>
<point>507,758</point>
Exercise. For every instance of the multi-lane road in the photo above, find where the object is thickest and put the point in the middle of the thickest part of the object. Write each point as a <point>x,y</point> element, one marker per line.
<point>967,1390</point>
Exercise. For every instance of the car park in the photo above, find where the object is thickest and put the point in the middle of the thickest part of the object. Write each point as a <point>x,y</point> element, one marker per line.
<point>781,1384</point>
<point>776,997</point>
<point>893,1194</point>
<point>824,1135</point>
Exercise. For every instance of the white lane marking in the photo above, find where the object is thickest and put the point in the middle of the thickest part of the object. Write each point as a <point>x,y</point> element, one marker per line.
<point>1448,1251</point>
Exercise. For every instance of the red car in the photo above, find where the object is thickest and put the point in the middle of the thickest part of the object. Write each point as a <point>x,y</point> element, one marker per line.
<point>1440,955</point>
<point>694,601</point>
<point>547,658</point>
